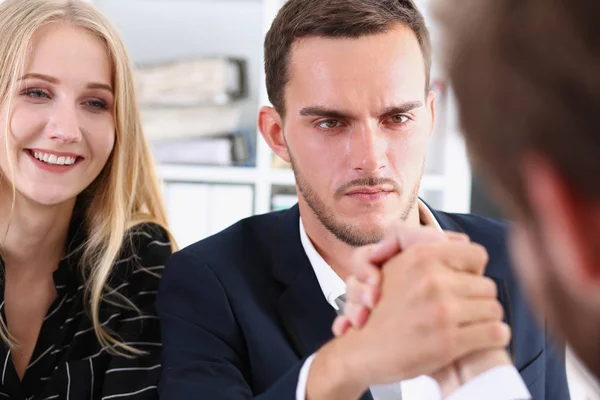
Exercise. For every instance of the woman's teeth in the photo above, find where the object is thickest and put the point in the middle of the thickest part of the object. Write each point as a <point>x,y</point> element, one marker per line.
<point>53,159</point>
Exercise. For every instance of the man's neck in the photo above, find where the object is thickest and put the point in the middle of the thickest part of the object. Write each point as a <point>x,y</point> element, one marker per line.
<point>336,253</point>
<point>32,236</point>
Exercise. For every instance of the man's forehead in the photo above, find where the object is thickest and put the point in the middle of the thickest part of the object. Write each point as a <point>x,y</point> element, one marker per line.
<point>399,40</point>
<point>380,70</point>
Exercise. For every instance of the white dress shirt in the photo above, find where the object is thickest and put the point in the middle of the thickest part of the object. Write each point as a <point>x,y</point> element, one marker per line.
<point>582,383</point>
<point>486,385</point>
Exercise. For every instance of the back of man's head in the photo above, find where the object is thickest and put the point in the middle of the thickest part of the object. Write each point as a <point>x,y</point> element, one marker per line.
<point>527,78</point>
<point>334,18</point>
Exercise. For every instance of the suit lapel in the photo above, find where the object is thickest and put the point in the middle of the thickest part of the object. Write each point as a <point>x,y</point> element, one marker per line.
<point>305,314</point>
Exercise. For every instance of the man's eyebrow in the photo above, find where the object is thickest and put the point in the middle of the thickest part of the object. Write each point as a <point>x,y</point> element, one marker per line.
<point>324,112</point>
<point>402,108</point>
<point>319,111</point>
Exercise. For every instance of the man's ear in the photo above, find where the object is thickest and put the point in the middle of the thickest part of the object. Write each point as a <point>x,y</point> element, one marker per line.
<point>270,125</point>
<point>569,222</point>
<point>431,107</point>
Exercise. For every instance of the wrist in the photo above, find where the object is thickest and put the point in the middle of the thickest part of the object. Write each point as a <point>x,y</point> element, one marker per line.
<point>476,364</point>
<point>448,380</point>
<point>336,372</point>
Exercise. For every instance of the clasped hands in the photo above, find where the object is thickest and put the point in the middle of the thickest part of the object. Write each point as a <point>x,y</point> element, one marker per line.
<point>420,305</point>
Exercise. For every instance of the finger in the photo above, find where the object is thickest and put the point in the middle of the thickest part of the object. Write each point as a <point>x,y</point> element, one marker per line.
<point>481,336</point>
<point>363,269</point>
<point>467,285</point>
<point>460,256</point>
<point>457,237</point>
<point>465,256</point>
<point>361,294</point>
<point>357,315</point>
<point>340,326</point>
<point>402,237</point>
<point>411,236</point>
<point>384,250</point>
<point>475,311</point>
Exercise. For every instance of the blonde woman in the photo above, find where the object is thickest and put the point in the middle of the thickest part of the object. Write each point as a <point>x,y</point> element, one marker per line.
<point>82,228</point>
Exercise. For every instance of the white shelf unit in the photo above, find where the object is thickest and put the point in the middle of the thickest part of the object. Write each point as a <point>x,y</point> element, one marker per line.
<point>153,30</point>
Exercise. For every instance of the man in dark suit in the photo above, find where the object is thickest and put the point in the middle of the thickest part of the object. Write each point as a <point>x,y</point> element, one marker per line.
<point>247,313</point>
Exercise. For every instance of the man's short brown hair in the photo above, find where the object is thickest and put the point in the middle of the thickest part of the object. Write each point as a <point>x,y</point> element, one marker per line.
<point>527,77</point>
<point>334,19</point>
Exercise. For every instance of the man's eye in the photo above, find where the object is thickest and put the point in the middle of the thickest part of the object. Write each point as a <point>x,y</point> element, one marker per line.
<point>329,124</point>
<point>399,119</point>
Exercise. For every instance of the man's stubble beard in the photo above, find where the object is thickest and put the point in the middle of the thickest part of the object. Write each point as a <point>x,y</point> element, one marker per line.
<point>346,232</point>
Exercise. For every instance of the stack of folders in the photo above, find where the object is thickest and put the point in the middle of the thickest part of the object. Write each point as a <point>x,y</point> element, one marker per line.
<point>191,110</point>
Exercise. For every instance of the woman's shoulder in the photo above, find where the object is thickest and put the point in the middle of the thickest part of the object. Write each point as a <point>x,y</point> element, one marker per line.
<point>145,252</point>
<point>148,235</point>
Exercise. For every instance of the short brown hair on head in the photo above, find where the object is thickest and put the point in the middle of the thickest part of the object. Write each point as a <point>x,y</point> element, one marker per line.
<point>298,19</point>
<point>526,76</point>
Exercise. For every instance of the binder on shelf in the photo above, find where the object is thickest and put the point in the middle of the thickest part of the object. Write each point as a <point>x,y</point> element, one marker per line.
<point>222,150</point>
<point>173,122</point>
<point>206,80</point>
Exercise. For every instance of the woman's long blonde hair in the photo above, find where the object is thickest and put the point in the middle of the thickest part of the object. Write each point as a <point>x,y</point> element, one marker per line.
<point>127,191</point>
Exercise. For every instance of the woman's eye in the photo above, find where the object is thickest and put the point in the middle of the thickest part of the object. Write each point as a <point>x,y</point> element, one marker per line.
<point>97,104</point>
<point>36,93</point>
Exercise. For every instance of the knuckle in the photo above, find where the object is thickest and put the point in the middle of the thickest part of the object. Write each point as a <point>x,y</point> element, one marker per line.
<point>463,236</point>
<point>352,288</point>
<point>500,333</point>
<point>482,254</point>
<point>441,313</point>
<point>351,312</point>
<point>497,310</point>
<point>492,288</point>
<point>432,285</point>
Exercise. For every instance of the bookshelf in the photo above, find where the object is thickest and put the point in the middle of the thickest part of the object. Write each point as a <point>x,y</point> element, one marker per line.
<point>160,30</point>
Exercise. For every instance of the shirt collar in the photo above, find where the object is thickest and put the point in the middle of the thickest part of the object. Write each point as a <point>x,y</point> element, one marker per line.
<point>331,284</point>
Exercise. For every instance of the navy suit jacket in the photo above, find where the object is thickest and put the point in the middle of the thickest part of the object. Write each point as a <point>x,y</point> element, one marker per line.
<point>242,310</point>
